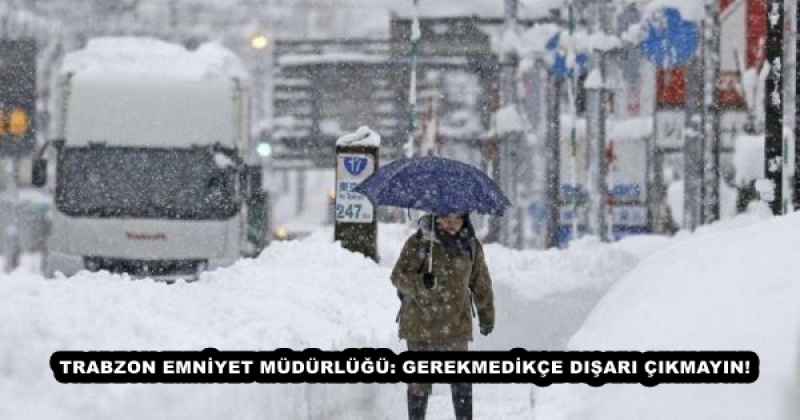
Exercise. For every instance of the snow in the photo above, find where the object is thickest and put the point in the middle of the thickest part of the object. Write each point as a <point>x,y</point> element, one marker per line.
<point>338,299</point>
<point>529,9</point>
<point>631,128</point>
<point>689,9</point>
<point>748,158</point>
<point>509,120</point>
<point>675,201</point>
<point>732,286</point>
<point>308,59</point>
<point>222,161</point>
<point>534,40</point>
<point>594,80</point>
<point>127,57</point>
<point>361,137</point>
<point>283,298</point>
<point>125,110</point>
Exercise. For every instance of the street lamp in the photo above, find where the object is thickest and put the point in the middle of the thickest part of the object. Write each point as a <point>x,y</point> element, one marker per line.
<point>259,42</point>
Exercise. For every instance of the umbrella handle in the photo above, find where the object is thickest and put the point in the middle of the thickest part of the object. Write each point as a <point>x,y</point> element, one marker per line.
<point>430,249</point>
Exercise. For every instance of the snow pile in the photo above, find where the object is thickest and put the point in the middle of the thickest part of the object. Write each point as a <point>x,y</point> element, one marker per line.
<point>748,158</point>
<point>308,293</point>
<point>586,264</point>
<point>361,137</point>
<point>281,299</point>
<point>675,196</point>
<point>152,58</point>
<point>732,287</point>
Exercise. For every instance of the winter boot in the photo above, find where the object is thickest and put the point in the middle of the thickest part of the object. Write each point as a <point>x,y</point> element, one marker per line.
<point>417,404</point>
<point>462,401</point>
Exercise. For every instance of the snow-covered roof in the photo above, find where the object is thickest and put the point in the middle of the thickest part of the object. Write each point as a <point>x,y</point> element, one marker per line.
<point>528,9</point>
<point>630,128</point>
<point>126,57</point>
<point>361,137</point>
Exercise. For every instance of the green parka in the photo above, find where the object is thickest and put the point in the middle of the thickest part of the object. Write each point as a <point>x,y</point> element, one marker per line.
<point>443,313</point>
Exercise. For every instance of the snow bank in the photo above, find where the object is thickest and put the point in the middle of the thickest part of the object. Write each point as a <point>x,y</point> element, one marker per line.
<point>586,264</point>
<point>297,294</point>
<point>281,299</point>
<point>732,287</point>
<point>675,201</point>
<point>748,158</point>
<point>114,57</point>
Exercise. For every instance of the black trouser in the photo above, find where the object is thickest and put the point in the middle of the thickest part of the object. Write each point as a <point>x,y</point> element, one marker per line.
<point>418,393</point>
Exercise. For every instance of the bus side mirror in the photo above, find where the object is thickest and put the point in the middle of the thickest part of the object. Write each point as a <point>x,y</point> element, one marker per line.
<point>39,173</point>
<point>258,220</point>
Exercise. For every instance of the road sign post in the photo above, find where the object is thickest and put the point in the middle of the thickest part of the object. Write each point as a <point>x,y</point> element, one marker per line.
<point>356,225</point>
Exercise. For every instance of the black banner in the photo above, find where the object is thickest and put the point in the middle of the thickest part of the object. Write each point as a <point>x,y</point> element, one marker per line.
<point>368,365</point>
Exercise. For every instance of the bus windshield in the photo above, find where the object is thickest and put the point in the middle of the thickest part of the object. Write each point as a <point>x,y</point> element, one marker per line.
<point>128,182</point>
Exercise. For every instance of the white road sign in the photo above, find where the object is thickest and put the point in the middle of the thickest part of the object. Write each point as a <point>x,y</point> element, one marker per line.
<point>351,170</point>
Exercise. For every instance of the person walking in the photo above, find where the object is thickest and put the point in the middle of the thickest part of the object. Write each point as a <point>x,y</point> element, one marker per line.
<point>440,274</point>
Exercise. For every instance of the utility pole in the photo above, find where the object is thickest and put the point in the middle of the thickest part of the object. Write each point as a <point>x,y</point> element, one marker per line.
<point>508,141</point>
<point>412,88</point>
<point>773,108</point>
<point>713,112</point>
<point>552,159</point>
<point>573,88</point>
<point>693,145</point>
<point>796,195</point>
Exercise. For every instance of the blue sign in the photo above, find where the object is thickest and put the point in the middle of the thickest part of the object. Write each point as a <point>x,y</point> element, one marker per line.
<point>671,41</point>
<point>560,67</point>
<point>355,165</point>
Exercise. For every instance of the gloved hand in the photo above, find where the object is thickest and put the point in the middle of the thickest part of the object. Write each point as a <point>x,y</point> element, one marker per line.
<point>486,329</point>
<point>429,280</point>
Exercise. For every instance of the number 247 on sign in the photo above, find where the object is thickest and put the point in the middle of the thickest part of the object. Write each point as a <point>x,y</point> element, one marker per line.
<point>351,211</point>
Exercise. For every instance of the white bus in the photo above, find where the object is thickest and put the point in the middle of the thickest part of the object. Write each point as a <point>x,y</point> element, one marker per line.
<point>155,174</point>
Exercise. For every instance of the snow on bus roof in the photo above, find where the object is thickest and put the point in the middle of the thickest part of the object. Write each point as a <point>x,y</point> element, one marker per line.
<point>143,57</point>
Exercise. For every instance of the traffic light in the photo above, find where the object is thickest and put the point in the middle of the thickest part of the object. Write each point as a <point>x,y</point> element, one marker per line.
<point>18,122</point>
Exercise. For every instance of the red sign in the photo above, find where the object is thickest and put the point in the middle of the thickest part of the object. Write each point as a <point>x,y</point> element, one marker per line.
<point>671,88</point>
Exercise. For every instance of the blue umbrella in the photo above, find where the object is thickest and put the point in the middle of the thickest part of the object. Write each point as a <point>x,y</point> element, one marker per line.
<point>437,185</point>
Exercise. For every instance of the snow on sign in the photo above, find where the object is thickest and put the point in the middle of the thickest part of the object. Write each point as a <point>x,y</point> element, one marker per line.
<point>351,170</point>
